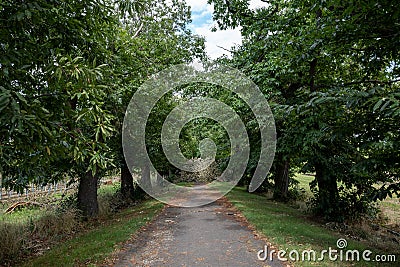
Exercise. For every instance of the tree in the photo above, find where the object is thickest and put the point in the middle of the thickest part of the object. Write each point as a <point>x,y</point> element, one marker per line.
<point>327,68</point>
<point>65,86</point>
<point>157,39</point>
<point>53,93</point>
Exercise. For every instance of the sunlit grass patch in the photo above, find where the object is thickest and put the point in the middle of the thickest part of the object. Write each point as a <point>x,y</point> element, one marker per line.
<point>289,229</point>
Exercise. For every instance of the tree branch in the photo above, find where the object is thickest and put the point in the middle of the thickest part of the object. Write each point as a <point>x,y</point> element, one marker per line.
<point>230,51</point>
<point>138,31</point>
<point>235,11</point>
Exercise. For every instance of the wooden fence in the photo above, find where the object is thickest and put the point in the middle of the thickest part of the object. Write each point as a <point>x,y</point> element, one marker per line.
<point>50,189</point>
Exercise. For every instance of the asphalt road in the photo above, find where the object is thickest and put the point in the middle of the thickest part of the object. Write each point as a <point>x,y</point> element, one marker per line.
<point>211,235</point>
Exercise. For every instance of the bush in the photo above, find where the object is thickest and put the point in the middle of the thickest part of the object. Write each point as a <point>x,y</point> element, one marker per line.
<point>112,200</point>
<point>297,193</point>
<point>55,225</point>
<point>12,239</point>
<point>25,235</point>
<point>202,176</point>
<point>69,202</point>
<point>350,206</point>
<point>23,232</point>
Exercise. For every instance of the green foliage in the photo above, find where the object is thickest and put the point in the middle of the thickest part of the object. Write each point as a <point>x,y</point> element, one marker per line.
<point>330,70</point>
<point>67,72</point>
<point>157,44</point>
<point>53,89</point>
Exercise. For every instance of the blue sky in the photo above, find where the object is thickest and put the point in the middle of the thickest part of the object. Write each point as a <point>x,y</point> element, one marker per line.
<point>201,17</point>
<point>202,24</point>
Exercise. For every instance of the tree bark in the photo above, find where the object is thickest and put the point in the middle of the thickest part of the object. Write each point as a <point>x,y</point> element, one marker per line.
<point>281,167</point>
<point>146,177</point>
<point>328,194</point>
<point>127,188</point>
<point>87,195</point>
<point>160,180</point>
<point>281,178</point>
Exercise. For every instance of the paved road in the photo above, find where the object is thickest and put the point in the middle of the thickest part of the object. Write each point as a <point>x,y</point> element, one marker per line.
<point>204,236</point>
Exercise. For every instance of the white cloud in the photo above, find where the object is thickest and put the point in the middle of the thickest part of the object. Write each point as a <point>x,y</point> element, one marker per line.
<point>215,40</point>
<point>200,5</point>
<point>257,4</point>
<point>202,24</point>
<point>197,5</point>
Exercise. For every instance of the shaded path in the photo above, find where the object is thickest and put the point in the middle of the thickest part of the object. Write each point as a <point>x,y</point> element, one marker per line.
<point>203,236</point>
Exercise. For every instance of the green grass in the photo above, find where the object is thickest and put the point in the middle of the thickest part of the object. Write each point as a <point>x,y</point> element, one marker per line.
<point>109,189</point>
<point>185,184</point>
<point>52,229</point>
<point>26,214</point>
<point>288,228</point>
<point>391,210</point>
<point>94,246</point>
<point>21,216</point>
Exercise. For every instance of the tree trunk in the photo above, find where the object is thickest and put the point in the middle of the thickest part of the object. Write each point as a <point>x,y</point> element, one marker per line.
<point>328,194</point>
<point>281,178</point>
<point>87,195</point>
<point>160,180</point>
<point>127,188</point>
<point>145,180</point>
<point>281,168</point>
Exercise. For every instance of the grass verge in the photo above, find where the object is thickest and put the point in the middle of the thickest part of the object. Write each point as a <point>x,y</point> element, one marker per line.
<point>186,184</point>
<point>94,246</point>
<point>289,229</point>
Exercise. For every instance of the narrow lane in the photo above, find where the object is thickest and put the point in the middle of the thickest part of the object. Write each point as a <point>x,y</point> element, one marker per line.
<point>203,236</point>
